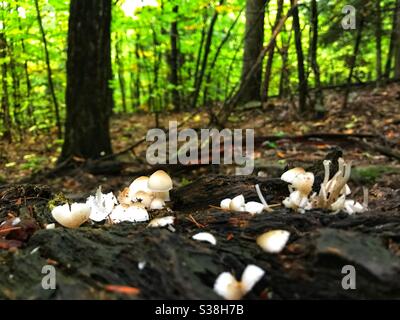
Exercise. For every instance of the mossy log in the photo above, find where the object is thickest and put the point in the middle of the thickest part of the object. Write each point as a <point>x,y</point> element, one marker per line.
<point>91,257</point>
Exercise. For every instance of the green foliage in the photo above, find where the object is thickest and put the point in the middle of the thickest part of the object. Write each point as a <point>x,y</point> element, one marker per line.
<point>141,35</point>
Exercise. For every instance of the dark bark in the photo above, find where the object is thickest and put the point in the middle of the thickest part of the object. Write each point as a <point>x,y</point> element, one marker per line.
<point>174,61</point>
<point>319,99</point>
<point>378,41</point>
<point>49,71</point>
<point>353,61</point>
<point>89,96</point>
<point>120,71</point>
<point>253,45</point>
<point>5,101</point>
<point>268,67</point>
<point>89,258</point>
<point>207,48</point>
<point>397,43</point>
<point>305,109</point>
<point>389,58</point>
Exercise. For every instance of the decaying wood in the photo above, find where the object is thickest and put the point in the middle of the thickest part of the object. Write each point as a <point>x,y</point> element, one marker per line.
<point>92,257</point>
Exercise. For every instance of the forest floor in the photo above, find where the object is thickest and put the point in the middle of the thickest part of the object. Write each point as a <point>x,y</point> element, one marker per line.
<point>370,111</point>
<point>102,261</point>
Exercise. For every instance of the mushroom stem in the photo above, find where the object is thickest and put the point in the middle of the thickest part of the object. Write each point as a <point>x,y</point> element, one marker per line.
<point>262,199</point>
<point>365,201</point>
<point>327,164</point>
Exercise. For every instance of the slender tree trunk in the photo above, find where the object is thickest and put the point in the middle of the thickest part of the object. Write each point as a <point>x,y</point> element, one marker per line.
<point>135,86</point>
<point>5,101</point>
<point>200,51</point>
<point>89,96</point>
<point>304,108</point>
<point>360,28</point>
<point>121,73</point>
<point>319,99</point>
<point>389,58</point>
<point>378,42</point>
<point>215,59</point>
<point>16,93</point>
<point>397,43</point>
<point>253,45</point>
<point>284,77</point>
<point>207,48</point>
<point>49,72</point>
<point>174,62</point>
<point>268,68</point>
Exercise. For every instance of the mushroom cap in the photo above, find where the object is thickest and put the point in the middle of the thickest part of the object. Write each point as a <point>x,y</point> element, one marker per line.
<point>225,204</point>
<point>143,197</point>
<point>71,217</point>
<point>304,182</point>
<point>237,203</point>
<point>254,207</point>
<point>157,204</point>
<point>161,222</point>
<point>205,236</point>
<point>160,181</point>
<point>228,287</point>
<point>289,175</point>
<point>139,184</point>
<point>251,275</point>
<point>273,241</point>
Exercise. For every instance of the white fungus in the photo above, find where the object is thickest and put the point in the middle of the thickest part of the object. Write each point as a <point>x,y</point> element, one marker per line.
<point>205,236</point>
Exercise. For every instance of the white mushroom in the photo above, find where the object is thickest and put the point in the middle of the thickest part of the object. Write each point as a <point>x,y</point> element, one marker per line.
<point>71,216</point>
<point>133,213</point>
<point>229,288</point>
<point>139,184</point>
<point>143,197</point>
<point>160,182</point>
<point>254,207</point>
<point>289,175</point>
<point>157,204</point>
<point>161,222</point>
<point>273,241</point>
<point>225,204</point>
<point>205,236</point>
<point>101,205</point>
<point>237,203</point>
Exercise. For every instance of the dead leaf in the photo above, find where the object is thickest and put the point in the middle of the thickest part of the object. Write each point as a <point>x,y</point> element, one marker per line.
<point>131,291</point>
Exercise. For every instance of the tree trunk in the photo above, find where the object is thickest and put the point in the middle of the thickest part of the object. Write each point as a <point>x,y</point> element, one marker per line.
<point>16,92</point>
<point>304,108</point>
<point>174,61</point>
<point>120,67</point>
<point>49,72</point>
<point>378,42</point>
<point>268,68</point>
<point>319,99</point>
<point>89,96</point>
<point>388,65</point>
<point>207,48</point>
<point>353,60</point>
<point>253,45</point>
<point>5,101</point>
<point>397,43</point>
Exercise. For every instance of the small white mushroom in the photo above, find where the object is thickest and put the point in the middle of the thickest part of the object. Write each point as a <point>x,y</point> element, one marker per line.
<point>101,205</point>
<point>289,175</point>
<point>50,226</point>
<point>160,182</point>
<point>225,204</point>
<point>139,184</point>
<point>157,204</point>
<point>161,222</point>
<point>254,207</point>
<point>143,197</point>
<point>71,216</point>
<point>229,288</point>
<point>205,236</point>
<point>303,182</point>
<point>273,241</point>
<point>133,213</point>
<point>237,203</point>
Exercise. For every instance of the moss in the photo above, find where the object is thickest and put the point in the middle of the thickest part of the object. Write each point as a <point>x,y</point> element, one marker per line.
<point>370,174</point>
<point>58,199</point>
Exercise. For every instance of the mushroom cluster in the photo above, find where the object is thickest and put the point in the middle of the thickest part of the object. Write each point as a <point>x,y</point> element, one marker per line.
<point>332,194</point>
<point>144,193</point>
<point>238,203</point>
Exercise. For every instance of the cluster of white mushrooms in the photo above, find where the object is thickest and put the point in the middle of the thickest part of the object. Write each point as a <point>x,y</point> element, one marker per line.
<point>332,194</point>
<point>144,193</point>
